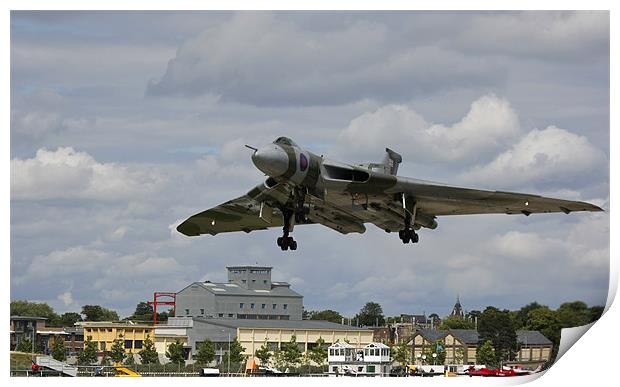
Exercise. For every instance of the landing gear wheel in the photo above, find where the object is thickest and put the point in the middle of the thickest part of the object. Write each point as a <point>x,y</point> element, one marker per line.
<point>408,235</point>
<point>285,241</point>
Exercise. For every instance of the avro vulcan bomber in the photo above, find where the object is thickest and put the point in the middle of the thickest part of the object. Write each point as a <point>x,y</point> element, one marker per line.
<point>304,188</point>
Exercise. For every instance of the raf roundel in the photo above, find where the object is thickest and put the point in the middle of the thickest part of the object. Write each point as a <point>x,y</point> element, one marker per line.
<point>303,162</point>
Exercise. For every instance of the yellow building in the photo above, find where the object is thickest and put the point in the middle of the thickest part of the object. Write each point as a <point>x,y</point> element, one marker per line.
<point>104,333</point>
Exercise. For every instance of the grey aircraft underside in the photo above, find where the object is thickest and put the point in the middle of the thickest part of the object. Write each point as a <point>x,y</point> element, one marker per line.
<point>303,188</point>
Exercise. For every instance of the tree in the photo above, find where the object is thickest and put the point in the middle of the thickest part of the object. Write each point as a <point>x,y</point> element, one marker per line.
<point>498,327</point>
<point>522,314</point>
<point>459,355</point>
<point>573,314</point>
<point>455,322</point>
<point>98,313</point>
<point>70,318</point>
<point>278,359</point>
<point>35,309</point>
<point>205,353</point>
<point>326,315</point>
<point>176,353</point>
<point>401,353</point>
<point>89,354</point>
<point>291,352</point>
<point>25,345</point>
<point>546,322</point>
<point>486,355</point>
<point>148,354</point>
<point>318,354</point>
<point>58,349</point>
<point>370,315</point>
<point>263,354</point>
<point>143,312</point>
<point>236,352</point>
<point>596,312</point>
<point>117,352</point>
<point>130,361</point>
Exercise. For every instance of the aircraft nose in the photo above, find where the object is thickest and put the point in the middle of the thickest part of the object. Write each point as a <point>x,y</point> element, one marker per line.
<point>272,160</point>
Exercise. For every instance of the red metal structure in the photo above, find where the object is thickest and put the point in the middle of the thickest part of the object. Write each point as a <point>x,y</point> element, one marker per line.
<point>155,302</point>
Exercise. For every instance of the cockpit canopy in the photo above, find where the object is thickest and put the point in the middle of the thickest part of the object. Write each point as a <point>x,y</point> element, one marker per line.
<point>285,141</point>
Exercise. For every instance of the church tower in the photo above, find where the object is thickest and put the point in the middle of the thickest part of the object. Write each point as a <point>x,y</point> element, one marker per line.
<point>458,309</point>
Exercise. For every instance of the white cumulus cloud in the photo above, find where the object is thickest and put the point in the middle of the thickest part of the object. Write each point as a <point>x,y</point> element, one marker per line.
<point>65,173</point>
<point>491,123</point>
<point>550,155</point>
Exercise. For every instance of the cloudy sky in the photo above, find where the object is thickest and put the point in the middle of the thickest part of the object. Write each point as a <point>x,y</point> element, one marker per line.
<point>125,123</point>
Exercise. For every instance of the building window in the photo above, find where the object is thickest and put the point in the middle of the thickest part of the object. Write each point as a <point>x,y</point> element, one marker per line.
<point>220,315</point>
<point>264,281</point>
<point>285,306</point>
<point>230,314</point>
<point>273,306</point>
<point>253,281</point>
<point>262,306</point>
<point>137,344</point>
<point>202,311</point>
<point>102,345</point>
<point>244,281</point>
<point>187,312</point>
<point>241,305</point>
<point>128,344</point>
<point>252,306</point>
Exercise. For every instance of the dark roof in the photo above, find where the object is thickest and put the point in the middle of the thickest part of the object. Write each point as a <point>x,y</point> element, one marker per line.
<point>284,324</point>
<point>532,338</point>
<point>471,337</point>
<point>28,318</point>
<point>431,334</point>
<point>467,336</point>
<point>249,267</point>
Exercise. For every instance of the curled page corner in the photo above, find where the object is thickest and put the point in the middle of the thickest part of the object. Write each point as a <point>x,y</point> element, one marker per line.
<point>569,336</point>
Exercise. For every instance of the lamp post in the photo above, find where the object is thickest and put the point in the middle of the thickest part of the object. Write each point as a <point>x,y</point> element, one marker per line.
<point>423,358</point>
<point>434,358</point>
<point>228,352</point>
<point>419,357</point>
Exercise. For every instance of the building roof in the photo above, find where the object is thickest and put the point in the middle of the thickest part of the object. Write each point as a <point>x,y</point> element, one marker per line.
<point>112,324</point>
<point>431,334</point>
<point>249,267</point>
<point>467,336</point>
<point>278,289</point>
<point>471,336</point>
<point>376,345</point>
<point>532,338</point>
<point>27,318</point>
<point>280,324</point>
<point>340,344</point>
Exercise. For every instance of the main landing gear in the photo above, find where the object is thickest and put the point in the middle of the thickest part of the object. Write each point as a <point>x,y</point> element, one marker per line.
<point>408,234</point>
<point>285,241</point>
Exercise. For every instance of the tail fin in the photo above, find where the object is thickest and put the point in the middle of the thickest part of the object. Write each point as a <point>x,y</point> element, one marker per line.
<point>391,161</point>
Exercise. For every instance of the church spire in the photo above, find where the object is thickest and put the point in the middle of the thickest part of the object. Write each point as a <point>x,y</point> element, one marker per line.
<point>458,309</point>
